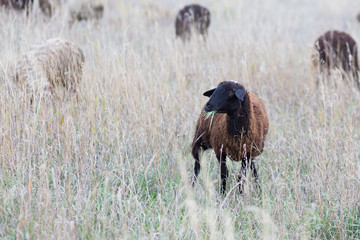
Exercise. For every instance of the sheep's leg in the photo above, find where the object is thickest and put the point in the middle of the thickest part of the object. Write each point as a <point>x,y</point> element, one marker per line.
<point>195,153</point>
<point>242,174</point>
<point>224,171</point>
<point>196,170</point>
<point>253,168</point>
<point>356,77</point>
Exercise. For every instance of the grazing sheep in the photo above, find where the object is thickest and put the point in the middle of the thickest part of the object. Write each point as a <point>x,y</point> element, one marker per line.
<point>192,17</point>
<point>237,129</point>
<point>17,4</point>
<point>48,6</point>
<point>336,49</point>
<point>86,11</point>
<point>54,63</point>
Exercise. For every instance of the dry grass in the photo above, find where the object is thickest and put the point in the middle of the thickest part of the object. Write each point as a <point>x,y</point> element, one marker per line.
<point>114,162</point>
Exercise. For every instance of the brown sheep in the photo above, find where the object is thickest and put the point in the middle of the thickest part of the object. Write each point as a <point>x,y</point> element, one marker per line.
<point>55,63</point>
<point>237,130</point>
<point>18,4</point>
<point>192,17</point>
<point>336,49</point>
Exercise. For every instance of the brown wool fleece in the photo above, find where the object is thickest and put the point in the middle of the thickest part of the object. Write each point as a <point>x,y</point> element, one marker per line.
<point>224,139</point>
<point>192,16</point>
<point>337,50</point>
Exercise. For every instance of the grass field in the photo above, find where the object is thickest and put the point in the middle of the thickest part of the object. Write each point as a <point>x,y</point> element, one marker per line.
<point>115,162</point>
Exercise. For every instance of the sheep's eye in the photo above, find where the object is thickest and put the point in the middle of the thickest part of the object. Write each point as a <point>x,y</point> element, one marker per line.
<point>231,94</point>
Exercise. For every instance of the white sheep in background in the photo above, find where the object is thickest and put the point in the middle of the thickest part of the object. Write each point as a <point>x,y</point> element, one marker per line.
<point>55,63</point>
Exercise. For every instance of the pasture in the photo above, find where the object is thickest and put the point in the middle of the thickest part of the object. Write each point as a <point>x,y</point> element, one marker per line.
<point>114,161</point>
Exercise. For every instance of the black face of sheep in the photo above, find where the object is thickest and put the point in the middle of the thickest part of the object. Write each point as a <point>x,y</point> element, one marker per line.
<point>225,98</point>
<point>337,50</point>
<point>192,17</point>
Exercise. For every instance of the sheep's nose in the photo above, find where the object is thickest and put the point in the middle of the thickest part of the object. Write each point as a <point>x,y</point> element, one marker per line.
<point>208,107</point>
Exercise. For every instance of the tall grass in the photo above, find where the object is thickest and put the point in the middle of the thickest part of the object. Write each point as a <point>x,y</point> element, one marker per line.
<point>115,163</point>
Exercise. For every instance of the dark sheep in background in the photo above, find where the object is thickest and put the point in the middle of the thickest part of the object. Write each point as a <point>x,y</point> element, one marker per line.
<point>18,4</point>
<point>48,6</point>
<point>339,50</point>
<point>238,129</point>
<point>86,11</point>
<point>192,17</point>
<point>358,17</point>
<point>45,7</point>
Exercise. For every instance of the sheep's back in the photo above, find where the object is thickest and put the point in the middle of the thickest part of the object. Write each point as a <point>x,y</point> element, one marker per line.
<point>192,15</point>
<point>56,62</point>
<point>261,126</point>
<point>334,50</point>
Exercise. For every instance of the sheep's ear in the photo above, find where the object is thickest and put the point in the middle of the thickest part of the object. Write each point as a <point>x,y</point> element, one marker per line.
<point>209,92</point>
<point>240,94</point>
